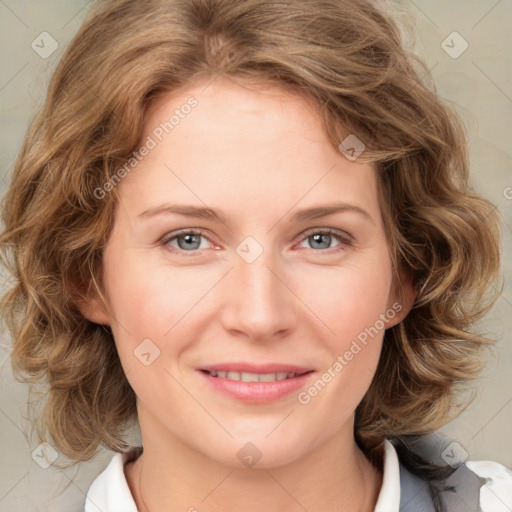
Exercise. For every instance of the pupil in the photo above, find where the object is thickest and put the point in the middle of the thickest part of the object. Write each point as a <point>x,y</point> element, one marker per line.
<point>189,238</point>
<point>318,238</point>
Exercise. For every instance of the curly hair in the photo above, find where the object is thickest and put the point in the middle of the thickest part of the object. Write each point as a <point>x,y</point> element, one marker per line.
<point>350,59</point>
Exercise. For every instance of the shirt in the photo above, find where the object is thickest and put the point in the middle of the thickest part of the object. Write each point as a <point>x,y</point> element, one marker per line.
<point>109,492</point>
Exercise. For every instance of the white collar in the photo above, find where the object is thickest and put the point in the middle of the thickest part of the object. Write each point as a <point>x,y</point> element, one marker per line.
<point>110,492</point>
<point>389,495</point>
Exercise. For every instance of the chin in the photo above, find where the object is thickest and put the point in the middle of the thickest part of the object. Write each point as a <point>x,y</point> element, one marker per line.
<point>260,453</point>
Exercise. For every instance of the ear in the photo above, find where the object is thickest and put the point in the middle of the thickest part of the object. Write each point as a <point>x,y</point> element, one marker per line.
<point>401,298</point>
<point>92,307</point>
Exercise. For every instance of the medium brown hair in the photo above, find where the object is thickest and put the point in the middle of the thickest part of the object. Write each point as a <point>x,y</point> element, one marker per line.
<point>349,59</point>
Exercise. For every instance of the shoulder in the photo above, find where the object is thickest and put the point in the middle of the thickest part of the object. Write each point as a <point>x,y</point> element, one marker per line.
<point>472,486</point>
<point>496,492</point>
<point>484,485</point>
<point>110,492</point>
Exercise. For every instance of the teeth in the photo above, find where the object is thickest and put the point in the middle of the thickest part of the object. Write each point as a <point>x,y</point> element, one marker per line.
<point>249,377</point>
<point>252,377</point>
<point>267,377</point>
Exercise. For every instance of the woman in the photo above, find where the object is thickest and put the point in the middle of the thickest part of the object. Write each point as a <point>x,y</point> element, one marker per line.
<point>164,217</point>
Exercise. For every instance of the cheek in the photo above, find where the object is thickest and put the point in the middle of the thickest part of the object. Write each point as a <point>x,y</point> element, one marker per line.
<point>149,299</point>
<point>156,303</point>
<point>350,299</point>
<point>353,309</point>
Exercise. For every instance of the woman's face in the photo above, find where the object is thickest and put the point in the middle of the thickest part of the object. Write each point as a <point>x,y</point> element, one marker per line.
<point>266,285</point>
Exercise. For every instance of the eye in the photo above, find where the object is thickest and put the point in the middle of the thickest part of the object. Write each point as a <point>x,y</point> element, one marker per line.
<point>320,238</point>
<point>188,241</point>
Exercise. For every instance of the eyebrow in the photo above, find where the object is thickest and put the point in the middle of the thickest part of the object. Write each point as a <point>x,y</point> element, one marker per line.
<point>199,212</point>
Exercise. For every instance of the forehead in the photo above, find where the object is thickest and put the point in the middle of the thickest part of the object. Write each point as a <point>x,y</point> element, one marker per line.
<point>247,147</point>
<point>223,105</point>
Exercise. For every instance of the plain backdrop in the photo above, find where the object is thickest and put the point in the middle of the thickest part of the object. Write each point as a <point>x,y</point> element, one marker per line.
<point>476,81</point>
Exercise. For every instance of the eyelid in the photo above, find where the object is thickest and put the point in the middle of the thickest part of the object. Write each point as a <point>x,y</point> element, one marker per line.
<point>342,235</point>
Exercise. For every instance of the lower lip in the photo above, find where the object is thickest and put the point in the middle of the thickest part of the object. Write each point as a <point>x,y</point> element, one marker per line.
<point>257,392</point>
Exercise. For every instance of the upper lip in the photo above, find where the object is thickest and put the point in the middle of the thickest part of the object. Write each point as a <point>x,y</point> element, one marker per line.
<point>256,368</point>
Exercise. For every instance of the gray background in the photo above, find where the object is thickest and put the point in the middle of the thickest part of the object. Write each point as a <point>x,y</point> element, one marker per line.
<point>478,84</point>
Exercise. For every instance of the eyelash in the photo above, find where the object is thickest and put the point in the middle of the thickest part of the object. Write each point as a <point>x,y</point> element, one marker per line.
<point>345,239</point>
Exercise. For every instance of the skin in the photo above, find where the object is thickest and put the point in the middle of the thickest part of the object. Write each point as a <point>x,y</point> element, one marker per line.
<point>259,156</point>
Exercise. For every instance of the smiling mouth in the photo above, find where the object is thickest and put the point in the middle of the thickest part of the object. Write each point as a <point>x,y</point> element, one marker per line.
<point>253,377</point>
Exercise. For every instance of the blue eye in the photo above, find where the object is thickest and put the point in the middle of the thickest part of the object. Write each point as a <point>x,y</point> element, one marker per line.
<point>322,238</point>
<point>189,241</point>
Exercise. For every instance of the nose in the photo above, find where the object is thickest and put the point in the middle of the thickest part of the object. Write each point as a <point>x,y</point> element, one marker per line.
<point>258,300</point>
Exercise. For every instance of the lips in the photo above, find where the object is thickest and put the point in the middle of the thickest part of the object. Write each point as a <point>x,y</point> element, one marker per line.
<point>256,383</point>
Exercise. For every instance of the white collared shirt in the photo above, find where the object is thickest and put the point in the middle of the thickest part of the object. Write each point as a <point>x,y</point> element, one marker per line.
<point>110,492</point>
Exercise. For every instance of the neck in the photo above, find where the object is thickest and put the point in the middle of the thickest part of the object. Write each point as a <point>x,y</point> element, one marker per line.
<point>333,477</point>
